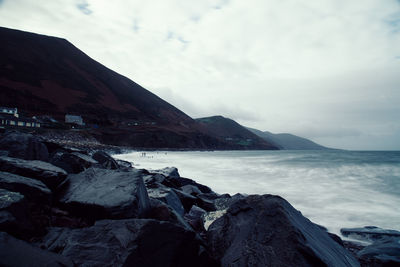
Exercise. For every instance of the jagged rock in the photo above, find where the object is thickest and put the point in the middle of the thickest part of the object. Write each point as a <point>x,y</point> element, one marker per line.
<point>369,233</point>
<point>45,172</point>
<point>124,163</point>
<point>14,212</point>
<point>187,200</point>
<point>225,201</point>
<point>168,196</point>
<point>185,181</point>
<point>103,193</point>
<point>24,146</point>
<point>191,190</point>
<point>170,172</point>
<point>195,218</point>
<point>205,203</point>
<point>72,162</point>
<point>32,189</point>
<point>130,242</point>
<point>267,231</point>
<point>105,160</point>
<point>383,252</point>
<point>17,253</point>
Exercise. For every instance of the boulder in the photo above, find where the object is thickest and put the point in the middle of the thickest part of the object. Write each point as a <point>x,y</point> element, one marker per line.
<point>102,193</point>
<point>195,218</point>
<point>170,172</point>
<point>168,196</point>
<point>267,231</point>
<point>185,181</point>
<point>191,190</point>
<point>369,233</point>
<point>24,146</point>
<point>105,160</point>
<point>383,252</point>
<point>14,212</point>
<point>72,162</point>
<point>129,242</point>
<point>187,200</point>
<point>124,164</point>
<point>32,189</point>
<point>45,172</point>
<point>17,253</point>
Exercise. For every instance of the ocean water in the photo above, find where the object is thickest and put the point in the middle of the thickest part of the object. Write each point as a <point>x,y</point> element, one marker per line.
<point>335,189</point>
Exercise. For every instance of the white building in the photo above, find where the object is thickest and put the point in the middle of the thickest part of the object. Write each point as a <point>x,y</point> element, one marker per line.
<point>74,119</point>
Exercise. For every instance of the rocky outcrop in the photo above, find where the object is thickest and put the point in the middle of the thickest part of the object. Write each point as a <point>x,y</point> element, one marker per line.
<point>103,193</point>
<point>72,162</point>
<point>17,253</point>
<point>369,233</point>
<point>131,242</point>
<point>105,160</point>
<point>47,173</point>
<point>24,146</point>
<point>267,231</point>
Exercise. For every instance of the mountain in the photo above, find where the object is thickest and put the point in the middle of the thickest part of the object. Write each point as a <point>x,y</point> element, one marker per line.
<point>288,141</point>
<point>229,131</point>
<point>44,75</point>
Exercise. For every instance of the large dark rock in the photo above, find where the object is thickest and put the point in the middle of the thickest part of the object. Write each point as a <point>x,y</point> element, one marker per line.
<point>195,218</point>
<point>17,253</point>
<point>24,146</point>
<point>105,160</point>
<point>32,189</point>
<point>72,162</point>
<point>369,233</point>
<point>187,200</point>
<point>45,172</point>
<point>130,242</point>
<point>383,252</point>
<point>103,193</point>
<point>170,172</point>
<point>168,196</point>
<point>267,231</point>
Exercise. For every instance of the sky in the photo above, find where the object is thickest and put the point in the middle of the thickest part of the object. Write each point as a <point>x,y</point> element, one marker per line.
<point>327,70</point>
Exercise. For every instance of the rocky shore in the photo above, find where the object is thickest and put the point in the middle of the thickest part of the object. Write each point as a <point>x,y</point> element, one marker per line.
<point>64,206</point>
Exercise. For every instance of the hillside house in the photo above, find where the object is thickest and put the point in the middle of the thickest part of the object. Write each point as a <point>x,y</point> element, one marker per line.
<point>9,117</point>
<point>74,119</point>
<point>10,111</point>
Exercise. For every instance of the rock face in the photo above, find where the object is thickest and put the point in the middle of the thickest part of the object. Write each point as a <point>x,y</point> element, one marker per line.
<point>131,242</point>
<point>33,189</point>
<point>105,160</point>
<point>17,253</point>
<point>24,146</point>
<point>369,233</point>
<point>102,193</point>
<point>267,231</point>
<point>72,162</point>
<point>47,173</point>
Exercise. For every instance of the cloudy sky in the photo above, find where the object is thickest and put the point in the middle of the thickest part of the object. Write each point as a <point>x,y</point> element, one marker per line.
<point>328,70</point>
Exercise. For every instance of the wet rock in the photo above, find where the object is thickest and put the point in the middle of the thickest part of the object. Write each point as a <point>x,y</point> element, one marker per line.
<point>383,252</point>
<point>45,172</point>
<point>24,146</point>
<point>191,189</point>
<point>130,242</point>
<point>185,181</point>
<point>103,193</point>
<point>168,196</point>
<point>267,231</point>
<point>124,164</point>
<point>72,162</point>
<point>205,203</point>
<point>225,201</point>
<point>195,218</point>
<point>170,172</point>
<point>187,200</point>
<point>14,212</point>
<point>17,253</point>
<point>369,233</point>
<point>32,189</point>
<point>105,160</point>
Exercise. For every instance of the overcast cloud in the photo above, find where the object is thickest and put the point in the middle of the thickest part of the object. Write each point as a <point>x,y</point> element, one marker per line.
<point>328,70</point>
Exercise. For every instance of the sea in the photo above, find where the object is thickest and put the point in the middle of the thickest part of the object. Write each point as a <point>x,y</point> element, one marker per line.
<point>333,188</point>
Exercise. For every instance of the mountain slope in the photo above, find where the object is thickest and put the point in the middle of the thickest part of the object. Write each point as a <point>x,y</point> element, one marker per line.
<point>228,130</point>
<point>288,141</point>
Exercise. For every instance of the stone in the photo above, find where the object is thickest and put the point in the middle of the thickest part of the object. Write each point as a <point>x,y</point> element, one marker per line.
<point>168,196</point>
<point>32,189</point>
<point>369,233</point>
<point>191,190</point>
<point>187,200</point>
<point>24,146</point>
<point>195,218</point>
<point>105,160</point>
<point>72,162</point>
<point>102,193</point>
<point>129,242</point>
<point>124,164</point>
<point>170,172</point>
<point>47,173</point>
<point>385,252</point>
<point>267,231</point>
<point>17,253</point>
